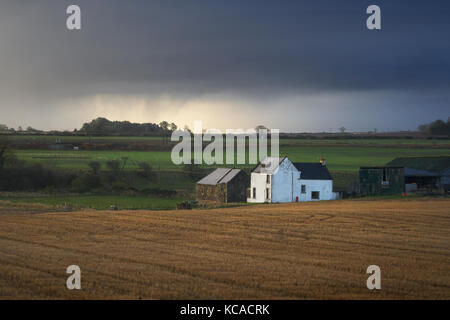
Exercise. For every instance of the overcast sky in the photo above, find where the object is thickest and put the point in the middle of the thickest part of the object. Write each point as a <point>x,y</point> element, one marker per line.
<point>292,65</point>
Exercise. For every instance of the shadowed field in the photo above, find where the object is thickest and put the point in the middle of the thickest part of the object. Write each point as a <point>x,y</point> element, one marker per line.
<point>291,251</point>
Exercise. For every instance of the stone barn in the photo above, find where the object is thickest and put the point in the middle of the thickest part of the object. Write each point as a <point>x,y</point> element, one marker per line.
<point>223,185</point>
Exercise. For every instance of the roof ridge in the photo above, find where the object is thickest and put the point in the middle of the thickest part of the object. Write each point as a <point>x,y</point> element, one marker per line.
<point>227,173</point>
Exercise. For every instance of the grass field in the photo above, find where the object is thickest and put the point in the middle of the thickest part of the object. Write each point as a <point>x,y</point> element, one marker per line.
<point>98,201</point>
<point>288,251</point>
<point>339,158</point>
<point>283,141</point>
<point>344,156</point>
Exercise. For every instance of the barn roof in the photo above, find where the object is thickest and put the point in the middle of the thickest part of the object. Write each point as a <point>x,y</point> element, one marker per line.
<point>419,173</point>
<point>427,163</point>
<point>220,175</point>
<point>312,171</point>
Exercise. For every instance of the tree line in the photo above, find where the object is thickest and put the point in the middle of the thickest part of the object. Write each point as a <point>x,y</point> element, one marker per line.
<point>105,126</point>
<point>438,127</point>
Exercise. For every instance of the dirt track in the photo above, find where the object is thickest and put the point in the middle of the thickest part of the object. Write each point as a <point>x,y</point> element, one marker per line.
<point>313,250</point>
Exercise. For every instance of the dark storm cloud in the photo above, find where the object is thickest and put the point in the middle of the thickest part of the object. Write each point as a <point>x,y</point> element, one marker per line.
<point>236,45</point>
<point>195,47</point>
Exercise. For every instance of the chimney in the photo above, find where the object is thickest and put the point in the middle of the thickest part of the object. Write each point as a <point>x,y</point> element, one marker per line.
<point>322,161</point>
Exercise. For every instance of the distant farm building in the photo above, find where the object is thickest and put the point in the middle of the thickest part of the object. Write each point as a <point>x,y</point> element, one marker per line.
<point>439,165</point>
<point>381,180</point>
<point>406,174</point>
<point>223,185</point>
<point>279,180</point>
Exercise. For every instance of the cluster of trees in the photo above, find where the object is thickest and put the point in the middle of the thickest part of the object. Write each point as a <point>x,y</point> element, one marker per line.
<point>438,127</point>
<point>105,126</point>
<point>4,128</point>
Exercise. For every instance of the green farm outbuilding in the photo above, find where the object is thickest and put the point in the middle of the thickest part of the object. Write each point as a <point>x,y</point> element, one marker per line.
<point>381,180</point>
<point>407,174</point>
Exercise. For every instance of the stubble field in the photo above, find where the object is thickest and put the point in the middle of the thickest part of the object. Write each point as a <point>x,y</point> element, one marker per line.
<point>286,251</point>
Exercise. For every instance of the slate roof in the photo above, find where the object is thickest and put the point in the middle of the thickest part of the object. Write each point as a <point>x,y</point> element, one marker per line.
<point>220,175</point>
<point>312,171</point>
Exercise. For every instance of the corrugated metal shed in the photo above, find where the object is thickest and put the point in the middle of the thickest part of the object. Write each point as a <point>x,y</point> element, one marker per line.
<point>220,175</point>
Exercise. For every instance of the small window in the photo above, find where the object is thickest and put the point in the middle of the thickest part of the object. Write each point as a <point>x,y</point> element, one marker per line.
<point>315,195</point>
<point>303,188</point>
<point>267,193</point>
<point>268,179</point>
<point>254,193</point>
<point>385,180</point>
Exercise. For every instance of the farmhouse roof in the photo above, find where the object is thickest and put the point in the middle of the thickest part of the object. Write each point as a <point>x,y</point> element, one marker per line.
<point>312,171</point>
<point>220,175</point>
<point>268,165</point>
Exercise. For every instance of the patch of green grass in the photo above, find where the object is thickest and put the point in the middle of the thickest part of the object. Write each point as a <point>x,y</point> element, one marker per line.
<point>345,158</point>
<point>100,202</point>
<point>283,141</point>
<point>342,158</point>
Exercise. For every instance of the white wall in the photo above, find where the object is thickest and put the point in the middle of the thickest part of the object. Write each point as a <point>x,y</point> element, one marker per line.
<point>258,181</point>
<point>325,188</point>
<point>280,187</point>
<point>285,182</point>
<point>285,186</point>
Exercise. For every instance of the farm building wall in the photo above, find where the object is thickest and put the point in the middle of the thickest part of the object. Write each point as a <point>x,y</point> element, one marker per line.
<point>324,187</point>
<point>279,187</point>
<point>258,185</point>
<point>217,192</point>
<point>285,183</point>
<point>234,190</point>
<point>445,180</point>
<point>381,180</point>
<point>237,188</point>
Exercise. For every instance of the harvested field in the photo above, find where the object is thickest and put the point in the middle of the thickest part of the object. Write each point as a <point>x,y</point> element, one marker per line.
<point>287,251</point>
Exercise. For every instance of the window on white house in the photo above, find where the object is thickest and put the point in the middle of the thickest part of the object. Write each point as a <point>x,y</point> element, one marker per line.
<point>268,179</point>
<point>254,193</point>
<point>267,193</point>
<point>303,188</point>
<point>315,195</point>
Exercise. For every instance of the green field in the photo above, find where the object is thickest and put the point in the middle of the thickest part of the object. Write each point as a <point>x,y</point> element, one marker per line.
<point>343,156</point>
<point>339,157</point>
<point>283,141</point>
<point>98,202</point>
<point>79,139</point>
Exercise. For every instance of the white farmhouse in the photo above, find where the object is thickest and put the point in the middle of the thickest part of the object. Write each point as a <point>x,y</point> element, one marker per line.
<point>280,180</point>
